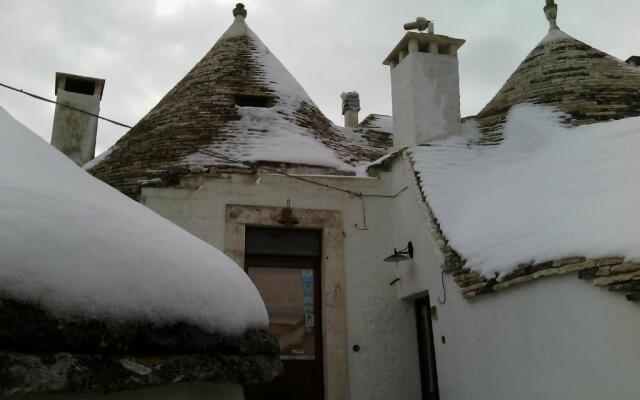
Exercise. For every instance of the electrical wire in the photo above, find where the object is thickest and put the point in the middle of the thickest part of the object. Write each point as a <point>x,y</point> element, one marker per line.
<point>251,165</point>
<point>444,290</point>
<point>221,156</point>
<point>232,160</point>
<point>35,96</point>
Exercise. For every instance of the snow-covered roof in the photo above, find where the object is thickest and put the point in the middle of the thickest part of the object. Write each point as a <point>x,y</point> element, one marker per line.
<point>212,117</point>
<point>585,83</point>
<point>379,123</point>
<point>81,250</point>
<point>542,181</point>
<point>549,191</point>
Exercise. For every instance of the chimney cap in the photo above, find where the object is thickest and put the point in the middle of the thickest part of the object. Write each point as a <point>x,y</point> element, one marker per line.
<point>421,24</point>
<point>350,101</point>
<point>423,39</point>
<point>60,75</point>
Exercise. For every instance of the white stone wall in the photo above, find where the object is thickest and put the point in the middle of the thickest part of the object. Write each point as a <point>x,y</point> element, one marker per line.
<point>559,338</point>
<point>386,367</point>
<point>74,133</point>
<point>426,98</point>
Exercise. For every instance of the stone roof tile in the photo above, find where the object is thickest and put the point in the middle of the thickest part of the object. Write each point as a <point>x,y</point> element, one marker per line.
<point>238,102</point>
<point>586,83</point>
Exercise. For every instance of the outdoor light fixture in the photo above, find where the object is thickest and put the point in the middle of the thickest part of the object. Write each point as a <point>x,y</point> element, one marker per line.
<point>402,255</point>
<point>286,216</point>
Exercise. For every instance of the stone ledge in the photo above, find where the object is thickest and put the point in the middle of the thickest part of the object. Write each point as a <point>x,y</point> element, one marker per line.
<point>27,328</point>
<point>45,373</point>
<point>612,273</point>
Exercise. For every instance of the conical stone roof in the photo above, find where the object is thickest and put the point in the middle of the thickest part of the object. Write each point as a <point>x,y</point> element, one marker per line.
<point>238,103</point>
<point>586,83</point>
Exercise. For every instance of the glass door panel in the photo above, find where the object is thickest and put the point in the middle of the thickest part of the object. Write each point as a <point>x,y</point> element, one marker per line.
<point>289,295</point>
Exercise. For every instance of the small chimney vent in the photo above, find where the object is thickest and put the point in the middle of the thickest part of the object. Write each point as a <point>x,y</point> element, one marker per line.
<point>82,86</point>
<point>74,133</point>
<point>350,108</point>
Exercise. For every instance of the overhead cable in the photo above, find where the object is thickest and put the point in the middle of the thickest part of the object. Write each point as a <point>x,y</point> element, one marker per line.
<point>35,96</point>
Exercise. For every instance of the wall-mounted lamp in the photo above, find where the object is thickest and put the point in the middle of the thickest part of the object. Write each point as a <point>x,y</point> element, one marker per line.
<point>402,255</point>
<point>286,216</point>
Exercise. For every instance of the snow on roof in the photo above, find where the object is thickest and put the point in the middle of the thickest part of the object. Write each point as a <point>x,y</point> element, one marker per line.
<point>83,250</point>
<point>553,35</point>
<point>548,191</point>
<point>362,170</point>
<point>92,163</point>
<point>275,135</point>
<point>378,122</point>
<point>237,103</point>
<point>561,71</point>
<point>374,132</point>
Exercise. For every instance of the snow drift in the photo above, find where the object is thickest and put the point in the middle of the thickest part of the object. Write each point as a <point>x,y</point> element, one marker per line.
<point>80,249</point>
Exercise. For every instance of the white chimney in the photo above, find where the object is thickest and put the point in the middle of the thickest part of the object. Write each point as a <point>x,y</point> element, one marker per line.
<point>74,132</point>
<point>425,86</point>
<point>350,108</point>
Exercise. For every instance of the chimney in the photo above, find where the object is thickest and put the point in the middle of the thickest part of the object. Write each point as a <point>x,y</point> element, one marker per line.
<point>350,108</point>
<point>74,133</point>
<point>425,86</point>
<point>634,61</point>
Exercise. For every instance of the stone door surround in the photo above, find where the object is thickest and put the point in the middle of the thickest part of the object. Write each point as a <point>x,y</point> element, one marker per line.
<point>237,217</point>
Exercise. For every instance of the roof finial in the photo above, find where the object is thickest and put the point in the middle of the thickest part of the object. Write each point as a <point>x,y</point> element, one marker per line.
<point>551,11</point>
<point>240,10</point>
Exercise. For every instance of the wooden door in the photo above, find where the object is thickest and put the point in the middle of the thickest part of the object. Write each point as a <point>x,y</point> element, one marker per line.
<point>428,371</point>
<point>289,284</point>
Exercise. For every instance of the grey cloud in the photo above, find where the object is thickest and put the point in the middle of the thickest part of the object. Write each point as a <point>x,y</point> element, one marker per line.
<point>329,45</point>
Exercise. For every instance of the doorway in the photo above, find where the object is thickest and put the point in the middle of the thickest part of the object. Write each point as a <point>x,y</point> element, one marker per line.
<point>284,264</point>
<point>426,350</point>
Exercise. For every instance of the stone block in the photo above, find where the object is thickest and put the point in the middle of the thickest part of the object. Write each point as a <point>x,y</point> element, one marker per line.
<point>609,280</point>
<point>566,261</point>
<point>626,267</point>
<point>629,286</point>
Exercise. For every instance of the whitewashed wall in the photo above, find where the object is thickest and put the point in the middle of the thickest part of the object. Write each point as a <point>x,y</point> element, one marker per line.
<point>426,98</point>
<point>74,133</point>
<point>558,338</point>
<point>382,325</point>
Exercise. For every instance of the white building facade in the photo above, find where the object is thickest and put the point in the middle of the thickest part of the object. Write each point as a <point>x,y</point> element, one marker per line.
<point>242,159</point>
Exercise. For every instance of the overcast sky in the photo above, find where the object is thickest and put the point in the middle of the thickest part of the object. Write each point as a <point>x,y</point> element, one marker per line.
<point>144,47</point>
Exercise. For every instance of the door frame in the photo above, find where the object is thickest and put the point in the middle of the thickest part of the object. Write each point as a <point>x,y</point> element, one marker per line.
<point>334,321</point>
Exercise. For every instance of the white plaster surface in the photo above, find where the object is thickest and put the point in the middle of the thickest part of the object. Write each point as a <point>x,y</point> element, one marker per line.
<point>386,367</point>
<point>351,119</point>
<point>74,133</point>
<point>426,98</point>
<point>558,338</point>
